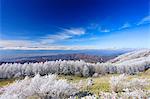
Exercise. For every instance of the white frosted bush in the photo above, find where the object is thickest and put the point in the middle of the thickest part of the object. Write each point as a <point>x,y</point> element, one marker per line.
<point>136,83</point>
<point>89,97</point>
<point>41,86</point>
<point>117,82</point>
<point>8,96</point>
<point>90,82</point>
<point>108,95</point>
<point>136,94</point>
<point>121,82</point>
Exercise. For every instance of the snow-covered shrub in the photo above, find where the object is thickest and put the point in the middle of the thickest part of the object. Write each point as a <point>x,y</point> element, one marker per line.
<point>136,94</point>
<point>95,75</point>
<point>90,97</point>
<point>41,86</point>
<point>137,83</point>
<point>9,96</point>
<point>117,82</point>
<point>90,82</point>
<point>80,84</point>
<point>121,82</point>
<point>108,95</point>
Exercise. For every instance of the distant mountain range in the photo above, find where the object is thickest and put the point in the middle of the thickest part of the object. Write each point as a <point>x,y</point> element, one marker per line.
<point>85,57</point>
<point>26,56</point>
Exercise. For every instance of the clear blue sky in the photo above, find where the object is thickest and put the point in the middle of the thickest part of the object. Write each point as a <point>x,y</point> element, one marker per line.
<point>74,24</point>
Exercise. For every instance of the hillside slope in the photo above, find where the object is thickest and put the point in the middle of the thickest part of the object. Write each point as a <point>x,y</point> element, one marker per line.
<point>132,56</point>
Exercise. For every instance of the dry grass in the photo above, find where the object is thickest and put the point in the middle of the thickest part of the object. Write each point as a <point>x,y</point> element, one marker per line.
<point>5,82</point>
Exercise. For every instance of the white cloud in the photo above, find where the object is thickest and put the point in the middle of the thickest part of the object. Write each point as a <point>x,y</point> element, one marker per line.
<point>126,25</point>
<point>55,37</point>
<point>74,31</point>
<point>30,45</point>
<point>87,39</point>
<point>64,34</point>
<point>45,43</point>
<point>105,30</point>
<point>93,26</point>
<point>145,20</point>
<point>21,44</point>
<point>15,43</point>
<point>98,27</point>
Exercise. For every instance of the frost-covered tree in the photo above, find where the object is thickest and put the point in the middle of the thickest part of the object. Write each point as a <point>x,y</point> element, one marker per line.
<point>85,71</point>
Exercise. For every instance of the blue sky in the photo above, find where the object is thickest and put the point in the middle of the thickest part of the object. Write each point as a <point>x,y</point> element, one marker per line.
<point>74,24</point>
